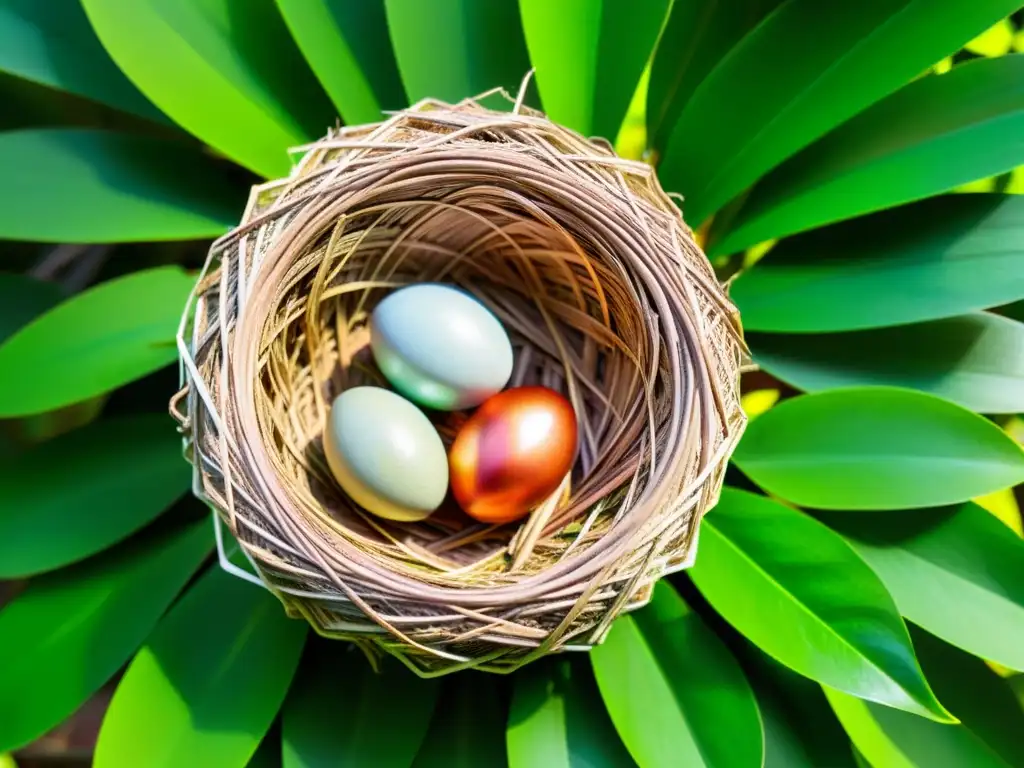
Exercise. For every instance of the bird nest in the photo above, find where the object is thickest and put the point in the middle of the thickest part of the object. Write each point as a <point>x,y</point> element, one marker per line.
<point>607,299</point>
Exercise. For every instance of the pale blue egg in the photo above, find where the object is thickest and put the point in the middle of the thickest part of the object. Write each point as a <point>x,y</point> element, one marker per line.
<point>439,346</point>
<point>386,454</point>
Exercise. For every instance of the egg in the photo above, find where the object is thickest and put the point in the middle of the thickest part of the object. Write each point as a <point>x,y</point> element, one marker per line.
<point>440,347</point>
<point>512,453</point>
<point>385,454</point>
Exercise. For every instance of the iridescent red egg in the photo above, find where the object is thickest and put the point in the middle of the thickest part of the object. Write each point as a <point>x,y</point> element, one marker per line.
<point>512,453</point>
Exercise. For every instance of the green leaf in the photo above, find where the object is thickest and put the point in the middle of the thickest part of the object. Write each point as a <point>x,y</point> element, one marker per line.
<point>346,43</point>
<point>952,128</point>
<point>839,58</point>
<point>340,712</point>
<point>268,754</point>
<point>94,486</point>
<point>975,360</point>
<point>958,572</point>
<point>697,36</point>
<point>877,448</point>
<point>23,298</point>
<point>589,55</point>
<point>52,44</point>
<point>991,718</point>
<point>468,727</point>
<point>205,688</point>
<point>455,49</point>
<point>225,70</point>
<point>803,596</point>
<point>72,630</point>
<point>925,261</point>
<point>558,721</point>
<point>674,692</point>
<point>89,186</point>
<point>94,342</point>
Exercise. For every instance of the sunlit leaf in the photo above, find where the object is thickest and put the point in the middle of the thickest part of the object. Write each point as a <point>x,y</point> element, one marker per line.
<point>225,70</point>
<point>803,596</point>
<point>91,488</point>
<point>994,41</point>
<point>674,692</point>
<point>877,448</point>
<point>205,688</point>
<point>839,59</point>
<point>109,335</point>
<point>73,629</point>
<point>957,572</point>
<point>952,128</point>
<point>589,55</point>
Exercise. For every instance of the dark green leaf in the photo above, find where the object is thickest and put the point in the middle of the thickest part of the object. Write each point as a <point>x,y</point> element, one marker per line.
<point>225,70</point>
<point>697,36</point>
<point>51,43</point>
<point>90,186</point>
<point>935,134</point>
<point>975,360</point>
<point>454,49</point>
<point>268,755</point>
<point>205,688</point>
<point>807,68</point>
<point>468,728</point>
<point>94,342</point>
<point>929,260</point>
<point>674,692</point>
<point>589,55</point>
<point>987,737</point>
<point>346,43</point>
<point>23,298</point>
<point>957,572</point>
<point>803,596</point>
<point>90,488</point>
<point>558,721</point>
<point>340,712</point>
<point>877,448</point>
<point>70,631</point>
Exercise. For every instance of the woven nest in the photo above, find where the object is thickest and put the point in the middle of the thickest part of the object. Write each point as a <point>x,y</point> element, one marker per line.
<point>606,297</point>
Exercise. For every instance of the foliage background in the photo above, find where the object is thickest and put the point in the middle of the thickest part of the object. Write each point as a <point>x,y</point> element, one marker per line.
<point>859,594</point>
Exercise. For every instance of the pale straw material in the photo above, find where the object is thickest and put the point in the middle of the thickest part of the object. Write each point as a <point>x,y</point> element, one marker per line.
<point>607,298</point>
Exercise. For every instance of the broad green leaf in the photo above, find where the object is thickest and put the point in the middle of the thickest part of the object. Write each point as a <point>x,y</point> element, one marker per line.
<point>877,448</point>
<point>340,712</point>
<point>558,721</point>
<point>22,299</point>
<point>803,596</point>
<point>89,186</point>
<point>225,70</point>
<point>589,55</point>
<point>268,755</point>
<point>958,572</point>
<point>91,488</point>
<point>988,735</point>
<point>346,43</point>
<point>94,342</point>
<point>455,49</point>
<point>205,688</point>
<point>952,128</point>
<point>937,258</point>
<point>975,360</point>
<point>468,728</point>
<point>697,36</point>
<point>673,690</point>
<point>839,59</point>
<point>70,631</point>
<point>51,43</point>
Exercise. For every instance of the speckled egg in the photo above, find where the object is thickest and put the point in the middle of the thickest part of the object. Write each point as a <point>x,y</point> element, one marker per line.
<point>386,454</point>
<point>440,347</point>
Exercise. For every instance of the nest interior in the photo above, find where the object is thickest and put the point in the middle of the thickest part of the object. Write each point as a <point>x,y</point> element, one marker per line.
<point>607,299</point>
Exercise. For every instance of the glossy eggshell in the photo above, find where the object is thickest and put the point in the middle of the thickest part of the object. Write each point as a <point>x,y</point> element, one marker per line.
<point>385,454</point>
<point>440,347</point>
<point>512,453</point>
